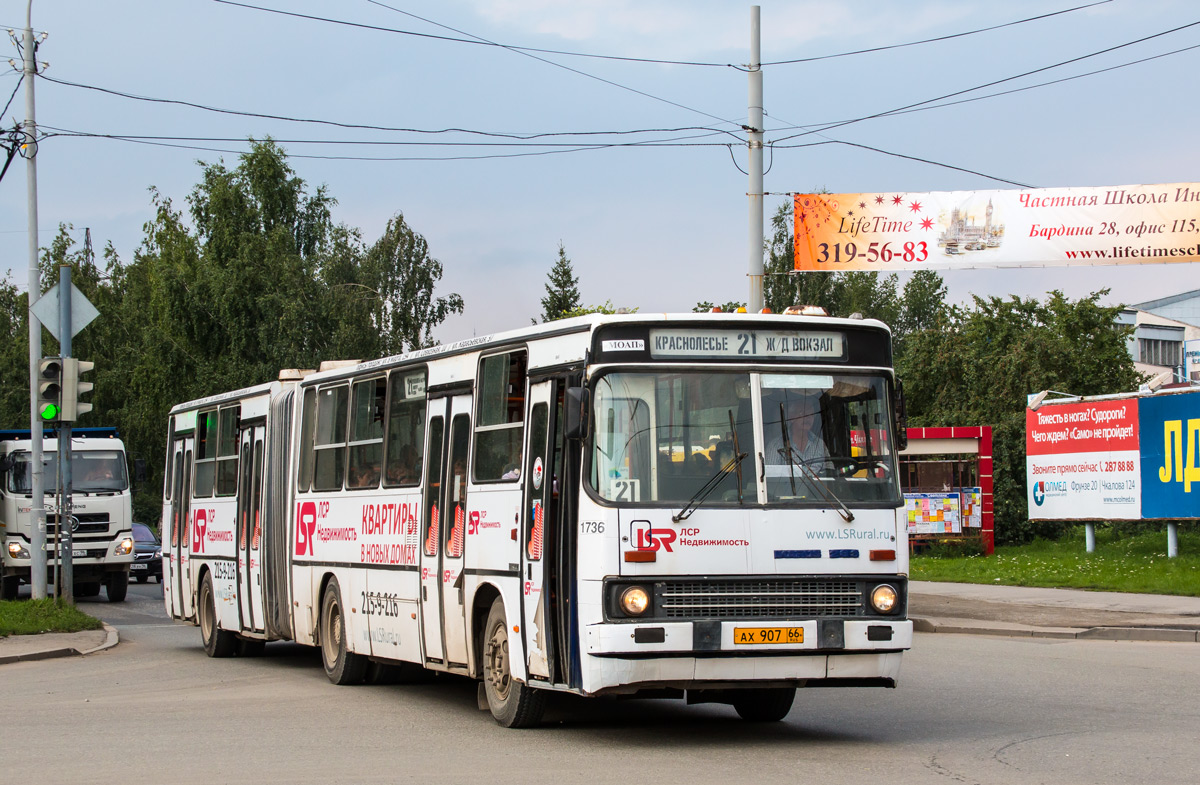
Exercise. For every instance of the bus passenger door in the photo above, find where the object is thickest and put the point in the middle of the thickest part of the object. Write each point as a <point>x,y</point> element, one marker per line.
<point>249,528</point>
<point>454,536</point>
<point>178,542</point>
<point>431,531</point>
<point>541,475</point>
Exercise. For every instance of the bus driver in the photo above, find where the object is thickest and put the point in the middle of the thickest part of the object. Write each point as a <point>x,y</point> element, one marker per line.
<point>799,431</point>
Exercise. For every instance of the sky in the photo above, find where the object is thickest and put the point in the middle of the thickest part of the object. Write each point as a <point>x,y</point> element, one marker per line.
<point>657,226</point>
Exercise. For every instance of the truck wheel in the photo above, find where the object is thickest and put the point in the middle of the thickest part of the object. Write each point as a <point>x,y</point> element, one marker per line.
<point>342,666</point>
<point>513,704</point>
<point>217,642</point>
<point>10,586</point>
<point>117,586</point>
<point>768,704</point>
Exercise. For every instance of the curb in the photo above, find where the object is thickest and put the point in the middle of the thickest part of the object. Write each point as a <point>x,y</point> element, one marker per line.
<point>112,639</point>
<point>1006,629</point>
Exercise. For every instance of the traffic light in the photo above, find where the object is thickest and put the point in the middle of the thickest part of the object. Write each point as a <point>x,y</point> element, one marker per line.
<point>73,389</point>
<point>49,392</point>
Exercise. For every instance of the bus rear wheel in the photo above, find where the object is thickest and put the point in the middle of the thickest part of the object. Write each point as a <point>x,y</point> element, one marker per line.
<point>342,666</point>
<point>217,642</point>
<point>513,704</point>
<point>765,704</point>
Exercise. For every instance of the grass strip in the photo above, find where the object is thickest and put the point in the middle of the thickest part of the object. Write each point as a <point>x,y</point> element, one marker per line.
<point>30,617</point>
<point>1121,562</point>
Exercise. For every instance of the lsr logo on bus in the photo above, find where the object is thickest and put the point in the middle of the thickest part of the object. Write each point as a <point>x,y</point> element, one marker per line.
<point>306,526</point>
<point>647,538</point>
<point>199,527</point>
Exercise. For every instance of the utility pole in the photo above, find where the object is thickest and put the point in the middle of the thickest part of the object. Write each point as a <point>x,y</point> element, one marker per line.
<point>756,164</point>
<point>37,574</point>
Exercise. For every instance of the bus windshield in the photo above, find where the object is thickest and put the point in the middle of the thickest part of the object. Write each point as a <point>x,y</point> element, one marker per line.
<point>94,471</point>
<point>810,438</point>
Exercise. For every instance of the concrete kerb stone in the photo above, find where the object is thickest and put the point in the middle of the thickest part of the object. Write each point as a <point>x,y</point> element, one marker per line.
<point>111,639</point>
<point>977,627</point>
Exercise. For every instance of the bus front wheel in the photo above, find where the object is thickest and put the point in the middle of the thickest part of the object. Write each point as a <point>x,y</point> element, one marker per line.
<point>342,666</point>
<point>513,704</point>
<point>765,704</point>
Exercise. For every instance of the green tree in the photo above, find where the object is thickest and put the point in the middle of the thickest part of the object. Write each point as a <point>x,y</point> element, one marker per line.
<point>705,306</point>
<point>606,308</point>
<point>255,276</point>
<point>976,366</point>
<point>562,289</point>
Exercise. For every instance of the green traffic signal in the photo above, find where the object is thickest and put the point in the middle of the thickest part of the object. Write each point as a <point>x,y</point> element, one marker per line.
<point>49,412</point>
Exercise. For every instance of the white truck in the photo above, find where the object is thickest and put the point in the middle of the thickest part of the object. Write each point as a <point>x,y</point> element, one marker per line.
<point>101,520</point>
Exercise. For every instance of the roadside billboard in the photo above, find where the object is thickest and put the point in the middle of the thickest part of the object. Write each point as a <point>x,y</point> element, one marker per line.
<point>1132,458</point>
<point>886,232</point>
<point>1082,461</point>
<point>1170,455</point>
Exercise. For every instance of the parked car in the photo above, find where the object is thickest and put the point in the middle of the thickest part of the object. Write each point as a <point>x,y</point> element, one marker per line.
<point>147,554</point>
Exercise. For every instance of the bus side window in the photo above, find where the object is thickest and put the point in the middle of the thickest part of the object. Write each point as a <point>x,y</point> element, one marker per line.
<point>499,425</point>
<point>206,453</point>
<point>227,451</point>
<point>405,428</point>
<point>307,428</point>
<point>366,433</point>
<point>329,464</point>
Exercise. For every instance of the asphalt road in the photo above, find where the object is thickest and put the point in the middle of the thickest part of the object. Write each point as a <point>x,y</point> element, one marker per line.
<point>970,709</point>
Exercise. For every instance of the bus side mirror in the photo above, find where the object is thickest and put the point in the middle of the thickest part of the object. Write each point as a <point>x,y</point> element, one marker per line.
<point>139,470</point>
<point>577,412</point>
<point>901,418</point>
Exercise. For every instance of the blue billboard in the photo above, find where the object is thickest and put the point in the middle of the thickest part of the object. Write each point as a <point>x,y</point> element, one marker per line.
<point>1170,455</point>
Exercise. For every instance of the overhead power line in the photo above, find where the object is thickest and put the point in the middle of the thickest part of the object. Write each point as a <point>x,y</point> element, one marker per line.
<point>370,127</point>
<point>993,83</point>
<point>830,123</point>
<point>376,142</point>
<point>521,51</point>
<point>649,60</point>
<point>938,38</point>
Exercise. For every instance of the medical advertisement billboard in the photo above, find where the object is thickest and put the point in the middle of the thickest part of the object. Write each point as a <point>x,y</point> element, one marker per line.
<point>1082,461</point>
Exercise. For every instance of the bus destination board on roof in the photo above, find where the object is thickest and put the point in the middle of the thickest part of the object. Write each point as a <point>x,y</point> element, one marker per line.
<point>685,343</point>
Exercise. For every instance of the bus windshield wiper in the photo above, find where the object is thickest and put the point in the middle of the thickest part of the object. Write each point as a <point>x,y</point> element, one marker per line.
<point>700,495</point>
<point>829,495</point>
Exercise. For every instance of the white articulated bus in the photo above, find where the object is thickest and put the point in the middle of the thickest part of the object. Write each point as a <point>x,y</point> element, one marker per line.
<point>701,505</point>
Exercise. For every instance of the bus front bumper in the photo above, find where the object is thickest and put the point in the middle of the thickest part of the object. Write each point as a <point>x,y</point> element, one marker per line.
<point>831,652</point>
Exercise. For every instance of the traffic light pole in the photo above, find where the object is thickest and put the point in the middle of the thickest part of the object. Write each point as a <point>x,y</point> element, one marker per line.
<point>66,506</point>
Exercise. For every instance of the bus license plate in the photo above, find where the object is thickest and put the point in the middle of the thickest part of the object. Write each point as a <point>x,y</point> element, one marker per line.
<point>760,635</point>
<point>75,554</point>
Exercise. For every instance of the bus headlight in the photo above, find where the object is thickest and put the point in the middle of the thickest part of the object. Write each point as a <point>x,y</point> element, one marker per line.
<point>17,551</point>
<point>634,601</point>
<point>126,547</point>
<point>884,598</point>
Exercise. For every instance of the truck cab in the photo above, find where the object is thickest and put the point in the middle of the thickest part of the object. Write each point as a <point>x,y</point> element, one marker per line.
<point>100,520</point>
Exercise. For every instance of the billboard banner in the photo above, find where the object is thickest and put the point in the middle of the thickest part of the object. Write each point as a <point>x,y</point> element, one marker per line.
<point>1082,461</point>
<point>888,232</point>
<point>1170,426</point>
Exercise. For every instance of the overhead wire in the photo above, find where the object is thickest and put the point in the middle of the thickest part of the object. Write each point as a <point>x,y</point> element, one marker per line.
<point>935,39</point>
<point>992,83</point>
<point>650,60</point>
<point>517,50</point>
<point>370,127</point>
